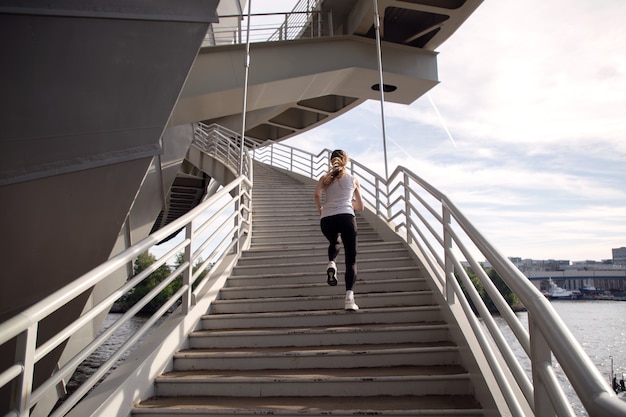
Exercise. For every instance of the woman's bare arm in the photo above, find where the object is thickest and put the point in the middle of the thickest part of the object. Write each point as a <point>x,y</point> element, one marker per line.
<point>317,196</point>
<point>357,203</point>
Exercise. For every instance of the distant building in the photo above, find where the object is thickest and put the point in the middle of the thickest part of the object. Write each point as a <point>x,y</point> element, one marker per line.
<point>529,265</point>
<point>608,275</point>
<point>604,265</point>
<point>484,264</point>
<point>619,256</point>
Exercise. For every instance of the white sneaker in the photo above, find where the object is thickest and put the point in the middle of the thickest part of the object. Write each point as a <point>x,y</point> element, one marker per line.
<point>350,305</point>
<point>331,273</point>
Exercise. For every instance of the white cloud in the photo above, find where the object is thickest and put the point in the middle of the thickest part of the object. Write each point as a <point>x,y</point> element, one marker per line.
<point>537,71</point>
<point>534,96</point>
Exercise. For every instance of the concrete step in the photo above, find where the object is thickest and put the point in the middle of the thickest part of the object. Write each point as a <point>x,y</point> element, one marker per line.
<point>361,382</point>
<point>268,193</point>
<point>344,356</point>
<point>318,254</point>
<point>363,264</point>
<point>264,338</point>
<point>285,251</point>
<point>268,189</point>
<point>306,216</point>
<point>286,203</point>
<point>325,302</point>
<point>336,406</point>
<point>277,278</point>
<point>279,233</point>
<point>306,238</point>
<point>334,317</point>
<point>278,341</point>
<point>302,213</point>
<point>288,228</point>
<point>321,288</point>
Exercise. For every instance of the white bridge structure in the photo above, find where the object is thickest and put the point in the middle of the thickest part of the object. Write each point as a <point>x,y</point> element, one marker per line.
<point>129,142</point>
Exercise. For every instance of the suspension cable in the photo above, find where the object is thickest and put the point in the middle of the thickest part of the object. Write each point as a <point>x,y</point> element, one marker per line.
<point>245,91</point>
<point>381,85</point>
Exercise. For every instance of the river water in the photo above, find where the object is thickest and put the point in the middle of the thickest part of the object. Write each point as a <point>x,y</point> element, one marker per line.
<point>599,326</point>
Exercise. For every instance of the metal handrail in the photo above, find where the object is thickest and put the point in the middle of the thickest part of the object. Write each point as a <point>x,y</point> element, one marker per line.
<point>305,21</point>
<point>433,226</point>
<point>228,231</point>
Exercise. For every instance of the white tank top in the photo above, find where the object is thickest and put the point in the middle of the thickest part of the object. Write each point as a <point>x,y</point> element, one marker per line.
<point>339,197</point>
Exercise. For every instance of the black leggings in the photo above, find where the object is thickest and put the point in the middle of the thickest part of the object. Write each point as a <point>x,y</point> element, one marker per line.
<point>344,225</point>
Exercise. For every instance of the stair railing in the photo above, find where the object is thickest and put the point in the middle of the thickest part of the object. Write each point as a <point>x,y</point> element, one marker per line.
<point>437,231</point>
<point>223,144</point>
<point>304,21</point>
<point>212,230</point>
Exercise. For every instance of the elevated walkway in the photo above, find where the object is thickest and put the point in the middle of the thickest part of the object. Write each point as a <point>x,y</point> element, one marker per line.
<point>114,182</point>
<point>277,340</point>
<point>250,327</point>
<point>299,84</point>
<point>317,63</point>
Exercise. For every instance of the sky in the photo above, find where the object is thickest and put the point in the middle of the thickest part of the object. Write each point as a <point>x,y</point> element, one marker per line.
<point>533,94</point>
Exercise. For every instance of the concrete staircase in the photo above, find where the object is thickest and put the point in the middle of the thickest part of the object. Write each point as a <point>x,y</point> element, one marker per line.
<point>277,340</point>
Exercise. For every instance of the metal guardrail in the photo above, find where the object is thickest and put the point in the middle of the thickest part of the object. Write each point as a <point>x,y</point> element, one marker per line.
<point>429,222</point>
<point>223,144</point>
<point>305,21</point>
<point>227,215</point>
<point>433,226</point>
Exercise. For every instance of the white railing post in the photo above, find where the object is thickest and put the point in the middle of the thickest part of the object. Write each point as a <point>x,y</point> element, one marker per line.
<point>377,197</point>
<point>540,354</point>
<point>187,275</point>
<point>237,220</point>
<point>407,207</point>
<point>239,36</point>
<point>25,354</point>
<point>388,203</point>
<point>448,259</point>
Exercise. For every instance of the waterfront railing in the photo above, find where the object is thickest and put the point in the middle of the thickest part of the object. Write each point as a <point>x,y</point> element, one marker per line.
<point>305,21</point>
<point>445,242</point>
<point>435,230</point>
<point>216,229</point>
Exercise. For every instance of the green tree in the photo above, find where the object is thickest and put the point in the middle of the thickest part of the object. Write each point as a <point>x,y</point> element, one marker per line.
<point>142,262</point>
<point>180,259</point>
<point>477,284</point>
<point>504,290</point>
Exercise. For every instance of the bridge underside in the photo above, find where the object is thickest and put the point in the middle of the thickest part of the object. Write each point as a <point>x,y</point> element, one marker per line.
<point>86,98</point>
<point>101,100</point>
<point>297,85</point>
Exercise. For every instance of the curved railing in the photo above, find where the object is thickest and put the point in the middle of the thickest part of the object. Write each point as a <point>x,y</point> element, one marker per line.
<point>304,21</point>
<point>215,228</point>
<point>443,237</point>
<point>433,227</point>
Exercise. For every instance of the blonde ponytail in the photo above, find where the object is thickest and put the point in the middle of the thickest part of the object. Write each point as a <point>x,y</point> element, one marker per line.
<point>338,161</point>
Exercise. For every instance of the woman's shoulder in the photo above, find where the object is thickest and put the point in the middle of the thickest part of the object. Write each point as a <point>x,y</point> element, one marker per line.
<point>347,177</point>
<point>352,179</point>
